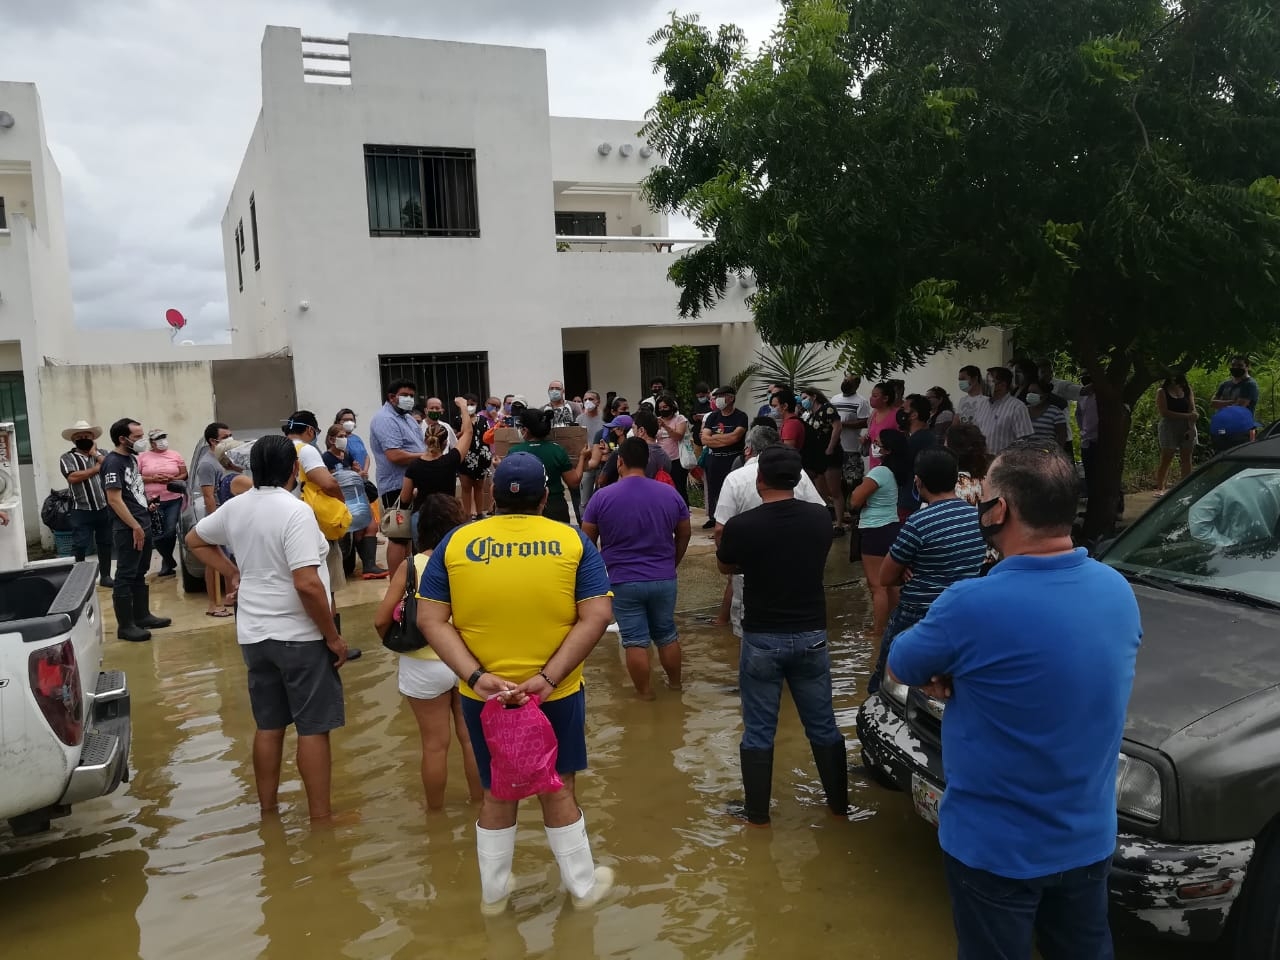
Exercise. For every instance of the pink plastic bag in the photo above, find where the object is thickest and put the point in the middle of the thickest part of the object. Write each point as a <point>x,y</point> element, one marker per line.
<point>522,748</point>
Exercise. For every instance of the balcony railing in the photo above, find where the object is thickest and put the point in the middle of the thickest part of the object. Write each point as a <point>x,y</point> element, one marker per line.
<point>628,244</point>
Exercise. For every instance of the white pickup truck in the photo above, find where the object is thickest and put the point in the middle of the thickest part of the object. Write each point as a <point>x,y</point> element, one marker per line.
<point>64,724</point>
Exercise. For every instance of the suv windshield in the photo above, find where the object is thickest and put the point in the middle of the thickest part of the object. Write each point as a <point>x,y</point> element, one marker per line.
<point>1220,534</point>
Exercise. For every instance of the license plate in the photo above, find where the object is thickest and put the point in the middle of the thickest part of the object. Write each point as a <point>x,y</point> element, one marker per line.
<point>926,798</point>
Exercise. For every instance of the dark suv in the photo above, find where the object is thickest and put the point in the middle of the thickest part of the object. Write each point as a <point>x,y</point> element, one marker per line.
<point>1198,788</point>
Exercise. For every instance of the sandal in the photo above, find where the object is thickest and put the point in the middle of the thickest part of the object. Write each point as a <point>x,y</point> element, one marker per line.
<point>220,613</point>
<point>839,529</point>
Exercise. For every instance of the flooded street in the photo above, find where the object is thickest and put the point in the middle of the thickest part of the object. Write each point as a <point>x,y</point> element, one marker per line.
<point>179,863</point>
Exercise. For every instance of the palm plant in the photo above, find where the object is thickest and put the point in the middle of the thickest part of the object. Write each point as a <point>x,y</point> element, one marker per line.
<point>794,364</point>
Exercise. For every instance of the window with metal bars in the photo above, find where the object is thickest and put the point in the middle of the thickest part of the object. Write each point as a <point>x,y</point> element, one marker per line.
<point>571,223</point>
<point>654,365</point>
<point>13,408</point>
<point>421,191</point>
<point>443,375</point>
<point>253,227</point>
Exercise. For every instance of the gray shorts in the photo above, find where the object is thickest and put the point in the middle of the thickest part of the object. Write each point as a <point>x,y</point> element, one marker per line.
<point>294,682</point>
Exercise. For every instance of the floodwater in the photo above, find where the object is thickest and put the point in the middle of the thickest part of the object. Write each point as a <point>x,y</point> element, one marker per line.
<point>179,863</point>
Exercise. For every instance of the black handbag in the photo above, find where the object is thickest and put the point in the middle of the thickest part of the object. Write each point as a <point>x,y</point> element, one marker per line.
<point>403,636</point>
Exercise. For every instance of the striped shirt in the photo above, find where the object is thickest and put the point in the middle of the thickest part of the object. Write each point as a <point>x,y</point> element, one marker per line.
<point>1045,426</point>
<point>1002,422</point>
<point>87,494</point>
<point>941,543</point>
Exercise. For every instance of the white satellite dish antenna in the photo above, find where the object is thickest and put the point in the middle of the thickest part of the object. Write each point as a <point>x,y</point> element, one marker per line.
<point>188,343</point>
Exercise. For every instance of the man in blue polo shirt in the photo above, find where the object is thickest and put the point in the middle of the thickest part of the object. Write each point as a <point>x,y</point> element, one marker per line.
<point>395,438</point>
<point>1032,731</point>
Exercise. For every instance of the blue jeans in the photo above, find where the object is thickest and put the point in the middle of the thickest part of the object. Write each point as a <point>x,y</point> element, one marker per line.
<point>997,918</point>
<point>170,511</point>
<point>92,528</point>
<point>802,662</point>
<point>646,612</point>
<point>904,616</point>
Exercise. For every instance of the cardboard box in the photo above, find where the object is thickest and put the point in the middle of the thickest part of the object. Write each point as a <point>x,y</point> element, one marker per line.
<point>503,439</point>
<point>570,439</point>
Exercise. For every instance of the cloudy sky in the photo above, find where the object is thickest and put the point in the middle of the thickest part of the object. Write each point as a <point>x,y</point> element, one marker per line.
<point>149,104</point>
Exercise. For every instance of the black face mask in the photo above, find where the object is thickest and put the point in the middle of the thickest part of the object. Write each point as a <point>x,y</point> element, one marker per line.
<point>903,420</point>
<point>665,413</point>
<point>1237,372</point>
<point>85,445</point>
<point>989,530</point>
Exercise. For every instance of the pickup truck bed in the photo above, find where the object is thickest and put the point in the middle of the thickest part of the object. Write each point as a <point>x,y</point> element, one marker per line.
<point>64,724</point>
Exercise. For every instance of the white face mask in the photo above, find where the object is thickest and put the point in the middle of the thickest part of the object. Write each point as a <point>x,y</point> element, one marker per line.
<point>349,426</point>
<point>340,443</point>
<point>588,405</point>
<point>721,403</point>
<point>471,409</point>
<point>139,446</point>
<point>555,395</point>
<point>405,403</point>
<point>1033,399</point>
<point>160,445</point>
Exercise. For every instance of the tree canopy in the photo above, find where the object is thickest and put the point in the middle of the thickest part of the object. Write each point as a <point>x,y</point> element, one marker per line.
<point>1096,176</point>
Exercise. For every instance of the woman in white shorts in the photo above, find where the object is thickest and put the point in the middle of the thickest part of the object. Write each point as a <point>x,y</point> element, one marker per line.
<point>429,685</point>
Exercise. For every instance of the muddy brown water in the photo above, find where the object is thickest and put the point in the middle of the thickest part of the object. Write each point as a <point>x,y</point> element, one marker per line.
<point>180,864</point>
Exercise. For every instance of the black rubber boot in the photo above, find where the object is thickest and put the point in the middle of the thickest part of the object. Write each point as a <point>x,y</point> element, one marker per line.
<point>367,547</point>
<point>126,629</point>
<point>142,610</point>
<point>757,784</point>
<point>833,769</point>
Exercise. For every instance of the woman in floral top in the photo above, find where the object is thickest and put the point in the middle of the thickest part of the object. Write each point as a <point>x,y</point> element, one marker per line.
<point>822,454</point>
<point>476,461</point>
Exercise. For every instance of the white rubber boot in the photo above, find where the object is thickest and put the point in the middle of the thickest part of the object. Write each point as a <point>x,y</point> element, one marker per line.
<point>587,883</point>
<point>495,850</point>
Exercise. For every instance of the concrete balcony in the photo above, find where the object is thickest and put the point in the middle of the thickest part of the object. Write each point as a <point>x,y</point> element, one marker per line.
<point>603,289</point>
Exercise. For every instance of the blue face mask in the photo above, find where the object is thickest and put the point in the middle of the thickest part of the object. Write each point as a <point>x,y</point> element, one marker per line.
<point>806,403</point>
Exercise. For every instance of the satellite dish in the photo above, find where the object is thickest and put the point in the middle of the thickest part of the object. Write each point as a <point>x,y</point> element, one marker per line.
<point>6,120</point>
<point>175,318</point>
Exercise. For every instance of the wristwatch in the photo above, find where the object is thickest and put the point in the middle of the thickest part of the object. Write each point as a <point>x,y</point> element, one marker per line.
<point>475,677</point>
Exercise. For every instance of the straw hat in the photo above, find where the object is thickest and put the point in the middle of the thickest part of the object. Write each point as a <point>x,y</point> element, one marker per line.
<point>81,426</point>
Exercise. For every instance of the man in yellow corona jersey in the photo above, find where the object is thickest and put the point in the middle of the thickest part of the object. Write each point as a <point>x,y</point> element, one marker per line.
<point>516,650</point>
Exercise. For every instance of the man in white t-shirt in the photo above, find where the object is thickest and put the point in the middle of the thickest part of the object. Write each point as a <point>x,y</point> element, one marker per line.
<point>284,622</point>
<point>971,394</point>
<point>739,494</point>
<point>855,413</point>
<point>303,429</point>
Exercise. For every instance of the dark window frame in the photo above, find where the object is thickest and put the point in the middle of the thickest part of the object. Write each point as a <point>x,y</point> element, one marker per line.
<point>445,375</point>
<point>253,227</point>
<point>4,224</point>
<point>582,223</point>
<point>435,191</point>
<point>237,241</point>
<point>13,407</point>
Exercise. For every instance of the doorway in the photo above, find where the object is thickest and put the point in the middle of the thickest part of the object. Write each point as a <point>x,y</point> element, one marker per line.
<point>577,372</point>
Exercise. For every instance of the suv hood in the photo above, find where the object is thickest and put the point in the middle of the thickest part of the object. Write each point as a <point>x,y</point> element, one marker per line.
<point>1198,655</point>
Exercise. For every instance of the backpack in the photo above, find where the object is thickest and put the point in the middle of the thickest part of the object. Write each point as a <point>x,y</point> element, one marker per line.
<point>55,513</point>
<point>403,636</point>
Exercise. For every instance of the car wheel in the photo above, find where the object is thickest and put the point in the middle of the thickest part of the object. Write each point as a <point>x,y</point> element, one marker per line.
<point>190,583</point>
<point>1256,915</point>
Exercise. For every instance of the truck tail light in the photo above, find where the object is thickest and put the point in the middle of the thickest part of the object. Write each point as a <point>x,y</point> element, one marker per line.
<point>55,682</point>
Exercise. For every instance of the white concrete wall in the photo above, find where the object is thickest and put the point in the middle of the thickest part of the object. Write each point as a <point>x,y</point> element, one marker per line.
<point>576,159</point>
<point>176,397</point>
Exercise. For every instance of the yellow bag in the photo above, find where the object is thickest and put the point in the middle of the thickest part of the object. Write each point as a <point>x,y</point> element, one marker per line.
<point>331,513</point>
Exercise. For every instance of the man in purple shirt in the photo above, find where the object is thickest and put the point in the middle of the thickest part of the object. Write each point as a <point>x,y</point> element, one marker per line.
<point>642,528</point>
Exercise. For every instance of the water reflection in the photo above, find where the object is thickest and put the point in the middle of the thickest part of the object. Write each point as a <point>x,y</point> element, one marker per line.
<point>180,864</point>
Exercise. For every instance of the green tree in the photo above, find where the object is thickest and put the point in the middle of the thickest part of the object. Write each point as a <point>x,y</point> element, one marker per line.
<point>1097,176</point>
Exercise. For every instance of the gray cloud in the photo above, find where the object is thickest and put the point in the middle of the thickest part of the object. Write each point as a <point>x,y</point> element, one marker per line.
<point>149,104</point>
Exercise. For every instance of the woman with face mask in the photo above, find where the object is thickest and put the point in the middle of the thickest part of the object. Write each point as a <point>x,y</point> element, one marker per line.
<point>477,458</point>
<point>436,469</point>
<point>346,418</point>
<point>672,427</point>
<point>161,466</point>
<point>877,500</point>
<point>884,416</point>
<point>592,419</point>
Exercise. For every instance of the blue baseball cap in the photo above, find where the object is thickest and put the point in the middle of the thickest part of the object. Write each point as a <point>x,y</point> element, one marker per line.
<point>520,476</point>
<point>621,421</point>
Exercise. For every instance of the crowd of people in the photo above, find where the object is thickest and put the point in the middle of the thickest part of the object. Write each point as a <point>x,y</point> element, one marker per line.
<point>932,493</point>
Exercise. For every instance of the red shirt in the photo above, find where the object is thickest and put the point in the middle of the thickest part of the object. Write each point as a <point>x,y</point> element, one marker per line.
<point>791,430</point>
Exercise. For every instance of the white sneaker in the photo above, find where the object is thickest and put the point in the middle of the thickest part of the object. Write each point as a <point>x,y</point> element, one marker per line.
<point>613,628</point>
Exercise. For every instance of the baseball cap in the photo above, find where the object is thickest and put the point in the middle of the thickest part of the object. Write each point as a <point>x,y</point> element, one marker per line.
<point>622,421</point>
<point>154,435</point>
<point>519,398</point>
<point>520,476</point>
<point>780,467</point>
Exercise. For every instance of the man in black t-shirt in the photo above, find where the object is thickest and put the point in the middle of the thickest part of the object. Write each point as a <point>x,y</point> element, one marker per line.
<point>784,631</point>
<point>724,435</point>
<point>130,531</point>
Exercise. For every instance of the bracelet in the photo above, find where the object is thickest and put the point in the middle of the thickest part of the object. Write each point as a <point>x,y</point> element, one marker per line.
<point>475,677</point>
<point>550,682</point>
